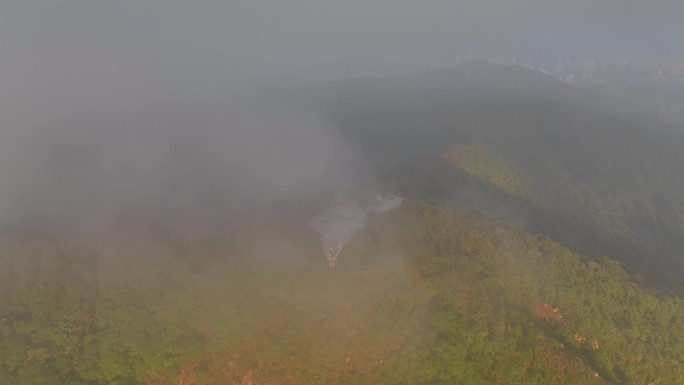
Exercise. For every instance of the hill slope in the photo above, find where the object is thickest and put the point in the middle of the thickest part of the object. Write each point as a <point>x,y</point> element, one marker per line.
<point>426,295</point>
<point>531,235</point>
<point>610,186</point>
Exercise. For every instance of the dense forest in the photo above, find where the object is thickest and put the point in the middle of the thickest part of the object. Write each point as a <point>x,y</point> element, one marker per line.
<point>428,294</point>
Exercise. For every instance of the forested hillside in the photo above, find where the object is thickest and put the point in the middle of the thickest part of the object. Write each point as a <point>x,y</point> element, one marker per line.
<point>602,182</point>
<point>428,294</point>
<point>539,243</point>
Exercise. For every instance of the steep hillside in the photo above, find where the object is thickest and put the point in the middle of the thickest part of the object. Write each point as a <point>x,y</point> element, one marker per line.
<point>609,185</point>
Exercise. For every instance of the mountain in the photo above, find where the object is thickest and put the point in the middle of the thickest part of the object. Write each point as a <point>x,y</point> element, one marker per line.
<point>538,243</point>
<point>657,102</point>
<point>610,185</point>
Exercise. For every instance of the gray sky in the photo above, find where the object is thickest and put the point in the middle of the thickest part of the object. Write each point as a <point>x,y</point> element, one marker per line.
<point>262,36</point>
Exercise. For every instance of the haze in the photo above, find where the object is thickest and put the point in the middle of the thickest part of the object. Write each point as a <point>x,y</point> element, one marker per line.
<point>97,96</point>
<point>179,39</point>
<point>504,176</point>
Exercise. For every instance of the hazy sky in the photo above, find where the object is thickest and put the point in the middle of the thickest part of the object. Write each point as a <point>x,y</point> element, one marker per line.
<point>260,35</point>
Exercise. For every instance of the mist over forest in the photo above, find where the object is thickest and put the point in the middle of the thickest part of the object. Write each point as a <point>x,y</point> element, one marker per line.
<point>307,192</point>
